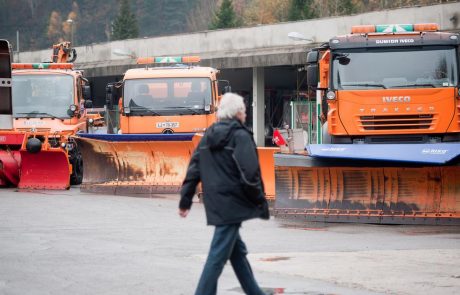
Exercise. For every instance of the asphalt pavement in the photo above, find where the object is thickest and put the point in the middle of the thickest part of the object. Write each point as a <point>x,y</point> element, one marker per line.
<point>67,242</point>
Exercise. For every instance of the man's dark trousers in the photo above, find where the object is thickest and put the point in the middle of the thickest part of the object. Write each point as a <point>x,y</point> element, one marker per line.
<point>227,244</point>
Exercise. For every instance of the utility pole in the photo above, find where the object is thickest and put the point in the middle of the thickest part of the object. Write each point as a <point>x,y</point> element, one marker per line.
<point>71,23</point>
<point>17,46</point>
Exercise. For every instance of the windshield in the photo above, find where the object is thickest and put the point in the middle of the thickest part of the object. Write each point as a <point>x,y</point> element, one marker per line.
<point>42,95</point>
<point>168,95</point>
<point>403,68</point>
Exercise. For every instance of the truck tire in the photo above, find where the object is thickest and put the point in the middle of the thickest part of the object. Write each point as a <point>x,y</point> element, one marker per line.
<point>77,168</point>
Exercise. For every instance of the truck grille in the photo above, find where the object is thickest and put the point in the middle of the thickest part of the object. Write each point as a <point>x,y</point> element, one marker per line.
<point>36,129</point>
<point>396,122</point>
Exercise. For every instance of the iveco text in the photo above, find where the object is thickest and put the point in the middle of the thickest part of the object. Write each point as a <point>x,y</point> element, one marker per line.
<point>396,98</point>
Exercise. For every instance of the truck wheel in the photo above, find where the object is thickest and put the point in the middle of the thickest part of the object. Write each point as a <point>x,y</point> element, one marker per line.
<point>77,169</point>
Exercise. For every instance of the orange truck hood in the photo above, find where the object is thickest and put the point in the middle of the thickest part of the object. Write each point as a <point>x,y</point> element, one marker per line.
<point>396,111</point>
<point>46,125</point>
<point>177,123</point>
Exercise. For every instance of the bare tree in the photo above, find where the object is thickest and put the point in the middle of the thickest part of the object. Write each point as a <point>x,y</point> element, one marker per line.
<point>67,27</point>
<point>54,31</point>
<point>266,12</point>
<point>200,18</point>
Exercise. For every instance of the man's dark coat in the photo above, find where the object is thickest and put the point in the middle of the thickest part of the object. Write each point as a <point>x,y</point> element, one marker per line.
<point>227,165</point>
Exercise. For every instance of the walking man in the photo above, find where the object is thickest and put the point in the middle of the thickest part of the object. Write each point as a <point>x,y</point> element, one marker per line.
<point>227,165</point>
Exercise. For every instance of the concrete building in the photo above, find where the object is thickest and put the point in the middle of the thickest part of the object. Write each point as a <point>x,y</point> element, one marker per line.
<point>261,62</point>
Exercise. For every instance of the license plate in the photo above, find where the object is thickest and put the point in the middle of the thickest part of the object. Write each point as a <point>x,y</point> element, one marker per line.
<point>163,125</point>
<point>33,123</point>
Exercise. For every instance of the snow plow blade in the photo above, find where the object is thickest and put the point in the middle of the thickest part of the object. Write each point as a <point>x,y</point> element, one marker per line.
<point>47,169</point>
<point>10,158</point>
<point>267,166</point>
<point>10,162</point>
<point>370,184</point>
<point>145,164</point>
<point>132,164</point>
<point>267,169</point>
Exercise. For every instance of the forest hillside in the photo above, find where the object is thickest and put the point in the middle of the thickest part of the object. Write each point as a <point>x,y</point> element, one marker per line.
<point>41,23</point>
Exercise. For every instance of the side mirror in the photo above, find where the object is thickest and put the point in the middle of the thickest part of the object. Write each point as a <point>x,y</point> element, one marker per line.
<point>86,92</point>
<point>88,104</point>
<point>312,57</point>
<point>6,109</point>
<point>312,75</point>
<point>227,89</point>
<point>108,96</point>
<point>111,95</point>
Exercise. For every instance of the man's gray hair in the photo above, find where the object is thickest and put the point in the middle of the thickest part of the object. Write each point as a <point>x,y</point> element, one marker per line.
<point>230,104</point>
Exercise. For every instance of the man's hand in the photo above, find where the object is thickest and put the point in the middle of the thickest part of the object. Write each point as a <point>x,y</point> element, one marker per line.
<point>183,212</point>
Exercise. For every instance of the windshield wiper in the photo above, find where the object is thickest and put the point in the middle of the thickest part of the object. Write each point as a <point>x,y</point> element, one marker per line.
<point>365,85</point>
<point>145,110</point>
<point>194,111</point>
<point>36,114</point>
<point>414,85</point>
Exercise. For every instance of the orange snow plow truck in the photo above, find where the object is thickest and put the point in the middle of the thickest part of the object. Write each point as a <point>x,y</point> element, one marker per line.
<point>164,110</point>
<point>49,102</point>
<point>9,159</point>
<point>388,132</point>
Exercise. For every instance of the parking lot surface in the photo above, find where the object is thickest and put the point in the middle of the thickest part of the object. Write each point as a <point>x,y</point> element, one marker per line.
<point>67,242</point>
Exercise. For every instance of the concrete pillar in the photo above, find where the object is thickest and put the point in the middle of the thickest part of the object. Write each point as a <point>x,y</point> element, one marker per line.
<point>258,105</point>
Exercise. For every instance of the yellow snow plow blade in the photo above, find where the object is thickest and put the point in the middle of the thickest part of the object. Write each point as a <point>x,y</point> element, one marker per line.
<point>267,168</point>
<point>389,195</point>
<point>145,164</point>
<point>134,163</point>
<point>371,183</point>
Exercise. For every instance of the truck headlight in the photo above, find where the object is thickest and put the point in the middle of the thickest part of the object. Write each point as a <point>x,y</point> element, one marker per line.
<point>73,107</point>
<point>330,95</point>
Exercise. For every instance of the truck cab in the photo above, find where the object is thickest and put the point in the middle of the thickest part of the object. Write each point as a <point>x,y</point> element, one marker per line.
<point>50,98</point>
<point>388,84</point>
<point>170,99</point>
<point>50,102</point>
